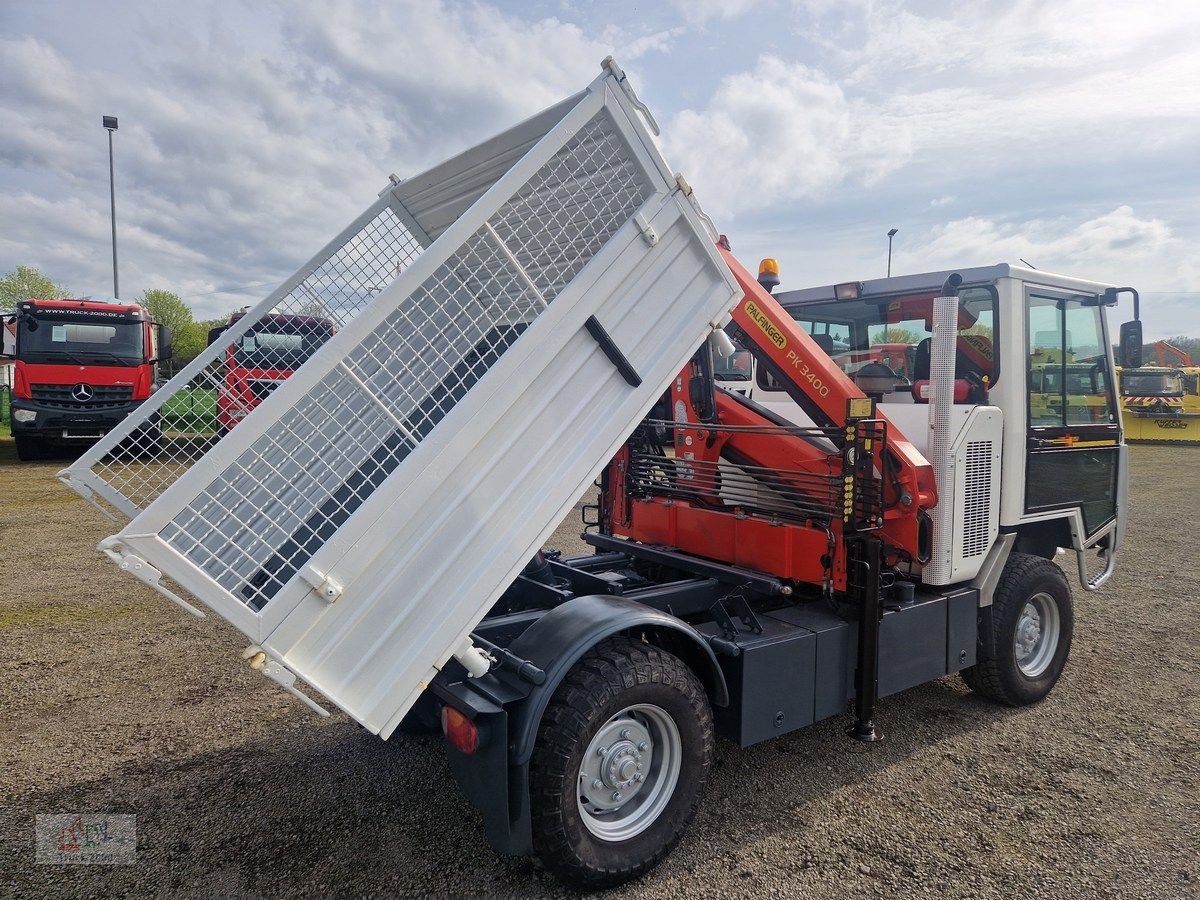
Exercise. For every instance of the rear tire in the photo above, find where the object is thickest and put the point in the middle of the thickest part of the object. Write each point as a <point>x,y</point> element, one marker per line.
<point>619,766</point>
<point>1033,622</point>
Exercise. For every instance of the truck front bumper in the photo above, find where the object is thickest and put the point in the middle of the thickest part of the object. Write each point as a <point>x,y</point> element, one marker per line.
<point>60,424</point>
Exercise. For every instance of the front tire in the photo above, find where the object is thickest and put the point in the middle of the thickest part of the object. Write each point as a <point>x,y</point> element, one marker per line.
<point>620,762</point>
<point>30,449</point>
<point>1033,622</point>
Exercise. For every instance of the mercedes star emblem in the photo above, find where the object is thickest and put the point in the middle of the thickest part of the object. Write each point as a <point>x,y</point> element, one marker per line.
<point>82,392</point>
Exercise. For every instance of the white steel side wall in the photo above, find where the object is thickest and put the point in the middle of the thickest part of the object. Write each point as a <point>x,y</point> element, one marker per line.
<point>375,655</point>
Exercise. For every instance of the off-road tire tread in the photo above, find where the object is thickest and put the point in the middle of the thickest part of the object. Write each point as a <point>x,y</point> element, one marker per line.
<point>611,667</point>
<point>988,676</point>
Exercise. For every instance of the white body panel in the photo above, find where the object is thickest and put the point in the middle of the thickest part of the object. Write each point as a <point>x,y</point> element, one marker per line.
<point>969,511</point>
<point>361,521</point>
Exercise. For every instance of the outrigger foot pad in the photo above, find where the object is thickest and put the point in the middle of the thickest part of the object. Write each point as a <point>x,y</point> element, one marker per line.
<point>867,732</point>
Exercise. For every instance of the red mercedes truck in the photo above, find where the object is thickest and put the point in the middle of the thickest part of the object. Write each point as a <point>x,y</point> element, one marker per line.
<point>81,366</point>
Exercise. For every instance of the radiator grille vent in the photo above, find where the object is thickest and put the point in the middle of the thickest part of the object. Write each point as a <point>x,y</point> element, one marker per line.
<point>977,499</point>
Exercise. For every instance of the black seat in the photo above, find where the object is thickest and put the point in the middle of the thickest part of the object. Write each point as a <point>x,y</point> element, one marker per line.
<point>921,361</point>
<point>964,370</point>
<point>825,342</point>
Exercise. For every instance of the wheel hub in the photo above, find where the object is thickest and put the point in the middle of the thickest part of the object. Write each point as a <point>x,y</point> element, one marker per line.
<point>614,771</point>
<point>1035,640</point>
<point>1028,630</point>
<point>628,772</point>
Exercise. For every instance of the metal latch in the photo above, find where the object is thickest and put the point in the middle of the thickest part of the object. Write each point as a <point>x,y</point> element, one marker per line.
<point>281,675</point>
<point>686,189</point>
<point>646,228</point>
<point>115,550</point>
<point>610,65</point>
<point>327,588</point>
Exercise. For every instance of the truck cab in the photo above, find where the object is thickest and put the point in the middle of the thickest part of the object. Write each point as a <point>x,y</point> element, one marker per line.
<point>1033,347</point>
<point>262,359</point>
<point>81,366</point>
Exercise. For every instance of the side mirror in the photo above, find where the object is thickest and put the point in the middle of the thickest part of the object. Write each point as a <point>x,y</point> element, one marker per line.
<point>165,350</point>
<point>8,337</point>
<point>214,333</point>
<point>1131,345</point>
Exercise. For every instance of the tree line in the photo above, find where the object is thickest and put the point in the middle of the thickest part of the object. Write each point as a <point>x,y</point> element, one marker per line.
<point>165,307</point>
<point>191,334</point>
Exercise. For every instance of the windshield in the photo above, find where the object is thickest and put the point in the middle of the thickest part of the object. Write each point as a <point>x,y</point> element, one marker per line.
<point>280,346</point>
<point>1151,384</point>
<point>895,332</point>
<point>738,367</point>
<point>54,338</point>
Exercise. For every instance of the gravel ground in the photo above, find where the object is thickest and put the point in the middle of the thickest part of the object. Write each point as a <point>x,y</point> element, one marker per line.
<point>115,701</point>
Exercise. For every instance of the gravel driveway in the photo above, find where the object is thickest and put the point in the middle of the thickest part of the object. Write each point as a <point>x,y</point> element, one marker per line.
<point>115,701</point>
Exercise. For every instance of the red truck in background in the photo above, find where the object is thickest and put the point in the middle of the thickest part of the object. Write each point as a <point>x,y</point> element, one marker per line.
<point>262,359</point>
<point>81,366</point>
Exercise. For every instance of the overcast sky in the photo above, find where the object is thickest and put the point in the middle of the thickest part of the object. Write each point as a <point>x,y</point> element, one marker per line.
<point>1065,133</point>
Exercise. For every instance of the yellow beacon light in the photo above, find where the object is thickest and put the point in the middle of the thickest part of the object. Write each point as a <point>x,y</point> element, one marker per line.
<point>768,273</point>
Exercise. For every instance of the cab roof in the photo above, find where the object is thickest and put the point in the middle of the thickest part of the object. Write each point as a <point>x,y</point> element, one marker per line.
<point>65,304</point>
<point>927,282</point>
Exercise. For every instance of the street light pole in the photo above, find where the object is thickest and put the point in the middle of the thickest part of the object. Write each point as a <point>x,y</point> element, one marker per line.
<point>891,234</point>
<point>110,125</point>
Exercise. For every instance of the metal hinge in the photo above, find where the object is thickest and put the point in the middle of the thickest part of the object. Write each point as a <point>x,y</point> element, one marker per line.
<point>115,549</point>
<point>281,675</point>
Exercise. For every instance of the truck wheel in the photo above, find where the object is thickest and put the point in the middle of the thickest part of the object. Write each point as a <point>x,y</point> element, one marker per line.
<point>1032,622</point>
<point>28,449</point>
<point>619,765</point>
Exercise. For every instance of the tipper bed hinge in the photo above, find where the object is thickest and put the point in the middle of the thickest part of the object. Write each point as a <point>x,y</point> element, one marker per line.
<point>116,550</point>
<point>281,675</point>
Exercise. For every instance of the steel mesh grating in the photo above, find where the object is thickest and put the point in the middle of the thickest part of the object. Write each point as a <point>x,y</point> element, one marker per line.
<point>281,339</point>
<point>256,525</point>
<point>977,498</point>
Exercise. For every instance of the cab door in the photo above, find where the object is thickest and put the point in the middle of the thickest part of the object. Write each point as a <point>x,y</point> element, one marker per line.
<point>1074,434</point>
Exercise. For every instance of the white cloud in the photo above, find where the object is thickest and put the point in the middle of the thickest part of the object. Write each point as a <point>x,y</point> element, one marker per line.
<point>1116,247</point>
<point>251,133</point>
<point>702,11</point>
<point>777,133</point>
<point>1104,246</point>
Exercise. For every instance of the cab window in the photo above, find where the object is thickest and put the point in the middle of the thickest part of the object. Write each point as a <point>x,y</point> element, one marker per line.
<point>897,331</point>
<point>1068,380</point>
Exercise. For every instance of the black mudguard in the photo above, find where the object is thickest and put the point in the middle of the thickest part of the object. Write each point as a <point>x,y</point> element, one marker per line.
<point>554,643</point>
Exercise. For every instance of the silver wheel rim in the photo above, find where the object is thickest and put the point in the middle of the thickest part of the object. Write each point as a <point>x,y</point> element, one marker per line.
<point>629,772</point>
<point>1036,640</point>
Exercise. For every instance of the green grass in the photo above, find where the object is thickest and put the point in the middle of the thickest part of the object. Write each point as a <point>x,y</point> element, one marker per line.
<point>192,409</point>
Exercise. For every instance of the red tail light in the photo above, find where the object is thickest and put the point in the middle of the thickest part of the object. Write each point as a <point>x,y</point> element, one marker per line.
<point>459,730</point>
